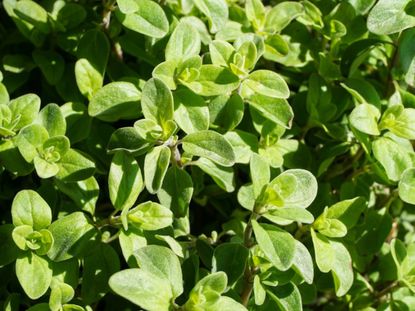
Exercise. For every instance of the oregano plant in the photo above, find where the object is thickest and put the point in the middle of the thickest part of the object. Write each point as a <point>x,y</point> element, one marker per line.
<point>207,155</point>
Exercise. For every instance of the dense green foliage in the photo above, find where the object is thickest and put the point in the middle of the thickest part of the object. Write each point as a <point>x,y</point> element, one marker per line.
<point>207,155</point>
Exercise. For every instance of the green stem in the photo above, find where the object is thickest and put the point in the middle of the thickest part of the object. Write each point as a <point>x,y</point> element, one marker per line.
<point>392,64</point>
<point>389,289</point>
<point>250,271</point>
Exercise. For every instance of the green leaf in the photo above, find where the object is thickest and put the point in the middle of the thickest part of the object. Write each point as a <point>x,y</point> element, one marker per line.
<point>362,6</point>
<point>216,12</point>
<point>52,119</point>
<point>332,228</point>
<point>245,57</point>
<point>342,268</point>
<point>214,80</point>
<point>244,145</point>
<point>98,266</point>
<point>162,262</point>
<point>12,159</point>
<point>176,191</point>
<point>26,108</point>
<point>40,307</point>
<point>260,173</point>
<point>356,53</point>
<point>143,288</point>
<point>32,13</point>
<point>70,15</point>
<point>148,18</point>
<point>128,139</point>
<point>94,46</point>
<point>277,244</point>
<point>295,188</point>
<point>191,112</point>
<point>323,252</point>
<point>392,156</point>
<point>183,43</point>
<point>264,82</point>
<point>287,215</point>
<point>59,295</point>
<point>389,16</point>
<point>4,95</point>
<point>148,129</point>
<point>347,211</point>
<point>407,56</point>
<point>399,254</point>
<point>230,258</point>
<point>34,274</point>
<point>287,297</point>
<point>365,118</point>
<point>74,166</point>
<point>203,295</point>
<point>59,144</point>
<point>303,262</point>
<point>115,101</point>
<point>128,6</point>
<point>221,52</point>
<point>88,78</point>
<point>319,99</point>
<point>210,145</point>
<point>407,185</point>
<point>276,110</point>
<point>276,47</point>
<point>333,256</point>
<point>29,208</point>
<point>131,241</point>
<point>84,193</point>
<point>78,122</point>
<point>259,291</point>
<point>166,72</point>
<point>216,282</point>
<point>156,164</point>
<point>227,304</point>
<point>29,139</point>
<point>125,181</point>
<point>222,176</point>
<point>226,112</point>
<point>71,233</point>
<point>8,249</point>
<point>45,169</point>
<point>20,235</point>
<point>255,12</point>
<point>150,216</point>
<point>51,64</point>
<point>400,121</point>
<point>174,245</point>
<point>157,102</point>
<point>282,14</point>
